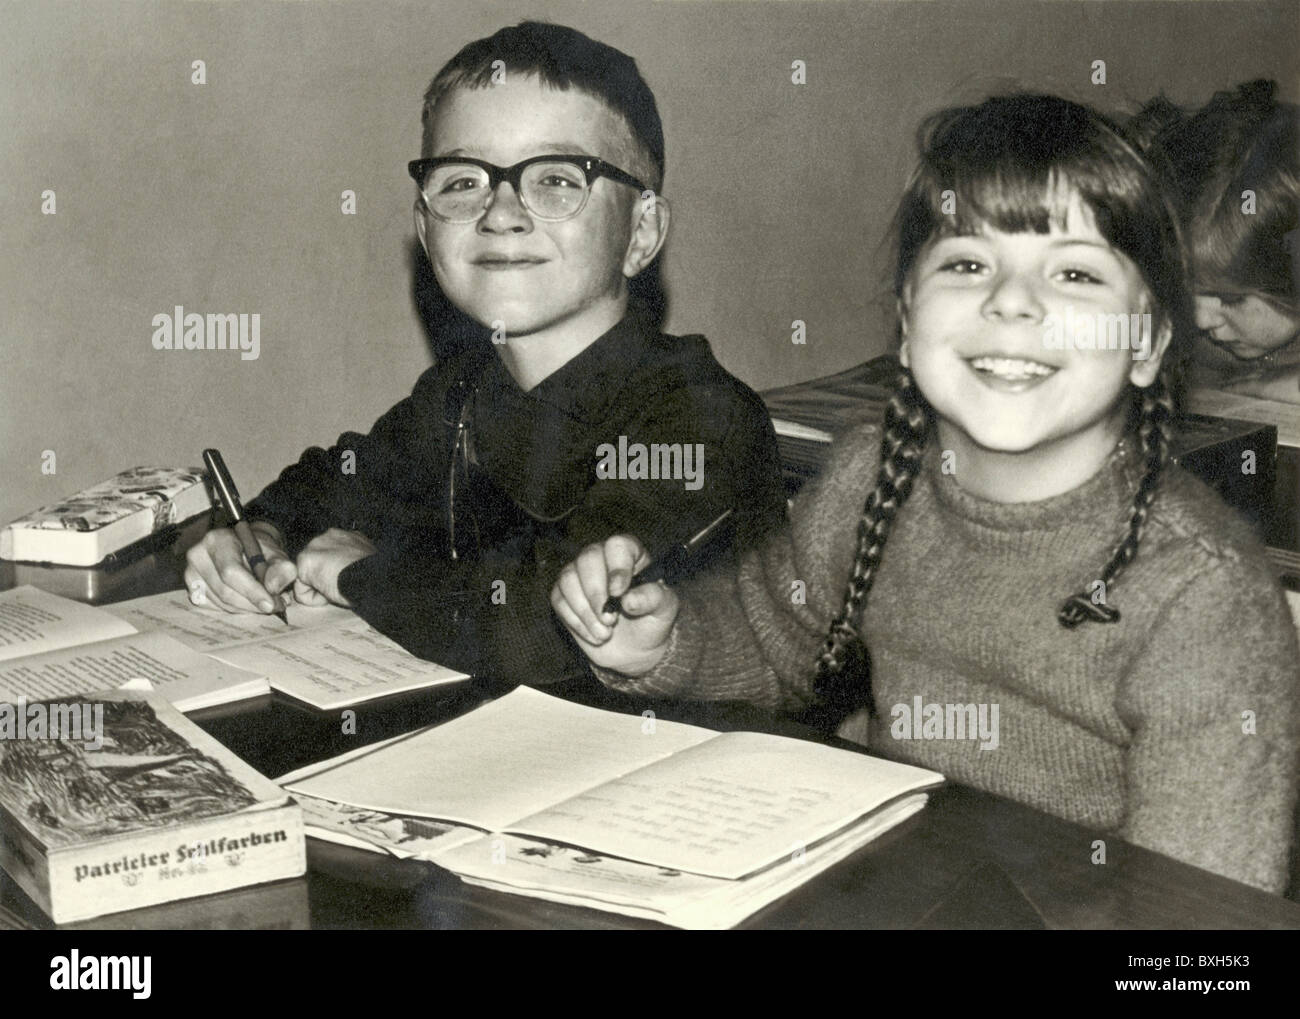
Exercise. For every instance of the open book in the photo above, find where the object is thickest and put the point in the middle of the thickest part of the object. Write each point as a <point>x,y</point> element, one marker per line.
<point>625,813</point>
<point>199,657</point>
<point>54,647</point>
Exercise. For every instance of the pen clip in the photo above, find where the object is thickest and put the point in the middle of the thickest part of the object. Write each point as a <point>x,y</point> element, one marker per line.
<point>224,485</point>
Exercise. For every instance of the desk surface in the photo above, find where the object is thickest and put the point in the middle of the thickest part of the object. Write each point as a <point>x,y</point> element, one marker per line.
<point>969,860</point>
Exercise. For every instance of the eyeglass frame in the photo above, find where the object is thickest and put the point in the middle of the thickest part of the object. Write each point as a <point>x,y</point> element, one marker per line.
<point>592,167</point>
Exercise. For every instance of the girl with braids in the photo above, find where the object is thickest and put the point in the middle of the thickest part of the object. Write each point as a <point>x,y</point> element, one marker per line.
<point>1013,533</point>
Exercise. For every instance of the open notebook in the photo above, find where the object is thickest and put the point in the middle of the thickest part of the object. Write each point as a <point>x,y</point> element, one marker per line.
<point>199,657</point>
<point>541,797</point>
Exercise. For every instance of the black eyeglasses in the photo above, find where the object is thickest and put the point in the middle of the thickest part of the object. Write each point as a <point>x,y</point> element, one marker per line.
<point>456,189</point>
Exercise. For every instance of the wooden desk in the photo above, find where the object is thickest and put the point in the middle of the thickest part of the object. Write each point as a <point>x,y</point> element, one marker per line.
<point>969,860</point>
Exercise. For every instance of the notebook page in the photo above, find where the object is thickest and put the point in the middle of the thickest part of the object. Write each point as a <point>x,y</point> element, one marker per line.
<point>500,762</point>
<point>205,628</point>
<point>337,665</point>
<point>728,807</point>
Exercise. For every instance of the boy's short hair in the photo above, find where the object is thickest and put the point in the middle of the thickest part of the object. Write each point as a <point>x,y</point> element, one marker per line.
<point>561,58</point>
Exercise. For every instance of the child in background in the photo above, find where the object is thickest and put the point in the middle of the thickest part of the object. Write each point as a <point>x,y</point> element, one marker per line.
<point>1235,168</point>
<point>1014,534</point>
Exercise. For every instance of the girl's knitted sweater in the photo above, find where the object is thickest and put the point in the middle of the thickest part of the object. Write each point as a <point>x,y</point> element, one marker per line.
<point>1176,728</point>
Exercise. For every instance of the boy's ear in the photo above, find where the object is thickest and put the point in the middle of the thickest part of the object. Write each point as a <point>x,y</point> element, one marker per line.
<point>651,215</point>
<point>421,227</point>
<point>1145,369</point>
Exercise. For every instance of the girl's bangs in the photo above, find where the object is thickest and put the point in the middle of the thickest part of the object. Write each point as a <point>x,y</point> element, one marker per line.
<point>1011,197</point>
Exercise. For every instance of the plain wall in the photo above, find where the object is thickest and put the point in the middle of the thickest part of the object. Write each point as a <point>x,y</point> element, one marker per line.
<point>225,197</point>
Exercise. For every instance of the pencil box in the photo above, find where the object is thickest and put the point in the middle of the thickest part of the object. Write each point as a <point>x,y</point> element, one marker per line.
<point>84,529</point>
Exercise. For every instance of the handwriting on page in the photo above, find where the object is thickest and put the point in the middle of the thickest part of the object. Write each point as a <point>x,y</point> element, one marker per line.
<point>366,673</point>
<point>705,815</point>
<point>713,824</point>
<point>726,807</point>
<point>345,659</point>
<point>201,629</point>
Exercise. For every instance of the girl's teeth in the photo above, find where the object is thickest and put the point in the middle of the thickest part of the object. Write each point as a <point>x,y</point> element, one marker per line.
<point>1011,367</point>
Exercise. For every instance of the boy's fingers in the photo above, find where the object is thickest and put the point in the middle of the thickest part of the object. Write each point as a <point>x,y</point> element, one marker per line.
<point>573,592</point>
<point>307,595</point>
<point>280,573</point>
<point>216,592</point>
<point>200,590</point>
<point>229,579</point>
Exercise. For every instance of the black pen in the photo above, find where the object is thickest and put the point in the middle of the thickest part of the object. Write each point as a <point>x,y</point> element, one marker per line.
<point>670,565</point>
<point>229,496</point>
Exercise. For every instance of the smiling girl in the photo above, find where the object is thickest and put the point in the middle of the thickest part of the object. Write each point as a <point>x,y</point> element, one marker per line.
<point>1013,534</point>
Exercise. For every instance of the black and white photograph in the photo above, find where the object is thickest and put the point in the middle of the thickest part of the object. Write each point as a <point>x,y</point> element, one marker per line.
<point>651,465</point>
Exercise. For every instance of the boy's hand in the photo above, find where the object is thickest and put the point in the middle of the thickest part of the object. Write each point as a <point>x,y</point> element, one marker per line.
<point>217,573</point>
<point>633,642</point>
<point>322,560</point>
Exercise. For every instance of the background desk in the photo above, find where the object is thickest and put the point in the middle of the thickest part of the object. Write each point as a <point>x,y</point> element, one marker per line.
<point>969,860</point>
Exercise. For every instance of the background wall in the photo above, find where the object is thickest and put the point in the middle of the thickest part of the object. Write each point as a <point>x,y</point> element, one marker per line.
<point>225,197</point>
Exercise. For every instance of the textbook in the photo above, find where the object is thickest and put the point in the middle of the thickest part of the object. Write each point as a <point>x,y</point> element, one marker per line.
<point>86,528</point>
<point>537,796</point>
<point>54,647</point>
<point>149,810</point>
<point>199,657</point>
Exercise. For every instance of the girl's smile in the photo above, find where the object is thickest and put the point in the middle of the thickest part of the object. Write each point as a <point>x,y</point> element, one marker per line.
<point>1010,374</point>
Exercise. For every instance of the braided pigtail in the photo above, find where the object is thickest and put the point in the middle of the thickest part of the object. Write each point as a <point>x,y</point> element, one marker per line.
<point>843,680</point>
<point>1155,432</point>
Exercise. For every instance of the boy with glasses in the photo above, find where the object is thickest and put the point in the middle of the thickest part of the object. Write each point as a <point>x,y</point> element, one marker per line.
<point>537,204</point>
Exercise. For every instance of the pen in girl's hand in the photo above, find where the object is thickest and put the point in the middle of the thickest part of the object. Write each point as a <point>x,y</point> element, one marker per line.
<point>224,486</point>
<point>671,564</point>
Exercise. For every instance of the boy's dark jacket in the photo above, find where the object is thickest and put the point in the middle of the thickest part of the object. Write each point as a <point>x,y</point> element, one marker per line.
<point>530,498</point>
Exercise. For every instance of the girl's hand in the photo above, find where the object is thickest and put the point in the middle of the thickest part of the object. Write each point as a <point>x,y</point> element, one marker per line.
<point>632,642</point>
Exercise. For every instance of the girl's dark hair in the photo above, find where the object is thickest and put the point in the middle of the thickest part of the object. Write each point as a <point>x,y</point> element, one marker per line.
<point>1012,163</point>
<point>1241,140</point>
